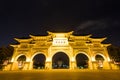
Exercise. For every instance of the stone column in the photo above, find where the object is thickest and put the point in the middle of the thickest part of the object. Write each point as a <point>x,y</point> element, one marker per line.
<point>11,64</point>
<point>25,66</point>
<point>94,64</point>
<point>90,65</point>
<point>72,65</point>
<point>48,65</point>
<point>31,65</point>
<point>106,65</point>
<point>14,66</point>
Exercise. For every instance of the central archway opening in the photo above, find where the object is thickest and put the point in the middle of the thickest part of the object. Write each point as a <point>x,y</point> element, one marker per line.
<point>60,61</point>
<point>39,61</point>
<point>82,61</point>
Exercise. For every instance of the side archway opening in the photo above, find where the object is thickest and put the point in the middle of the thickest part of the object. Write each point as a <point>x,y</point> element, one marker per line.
<point>39,61</point>
<point>100,60</point>
<point>21,61</point>
<point>82,61</point>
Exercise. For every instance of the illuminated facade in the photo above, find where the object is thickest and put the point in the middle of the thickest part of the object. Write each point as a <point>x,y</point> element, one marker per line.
<point>60,51</point>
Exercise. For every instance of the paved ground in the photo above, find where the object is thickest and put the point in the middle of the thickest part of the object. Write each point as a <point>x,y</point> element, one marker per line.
<point>61,75</point>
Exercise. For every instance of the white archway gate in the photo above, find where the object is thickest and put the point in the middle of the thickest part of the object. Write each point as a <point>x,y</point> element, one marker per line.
<point>66,42</point>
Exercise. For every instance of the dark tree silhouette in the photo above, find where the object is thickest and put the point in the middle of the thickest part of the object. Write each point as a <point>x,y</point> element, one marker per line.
<point>5,54</point>
<point>114,53</point>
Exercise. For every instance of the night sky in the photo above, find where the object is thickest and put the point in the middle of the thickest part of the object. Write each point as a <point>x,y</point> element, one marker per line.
<point>20,18</point>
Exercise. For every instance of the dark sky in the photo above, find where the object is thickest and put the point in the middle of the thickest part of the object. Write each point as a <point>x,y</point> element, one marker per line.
<point>19,18</point>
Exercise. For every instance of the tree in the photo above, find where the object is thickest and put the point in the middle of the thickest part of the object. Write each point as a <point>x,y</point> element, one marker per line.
<point>5,54</point>
<point>114,53</point>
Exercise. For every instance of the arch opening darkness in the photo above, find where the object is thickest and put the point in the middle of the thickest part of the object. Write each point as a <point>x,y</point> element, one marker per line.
<point>82,61</point>
<point>100,60</point>
<point>21,61</point>
<point>39,61</point>
<point>60,61</point>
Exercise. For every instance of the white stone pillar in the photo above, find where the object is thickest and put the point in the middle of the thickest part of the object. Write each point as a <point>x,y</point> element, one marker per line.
<point>95,65</point>
<point>106,65</point>
<point>48,65</point>
<point>31,65</point>
<point>90,65</point>
<point>15,66</point>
